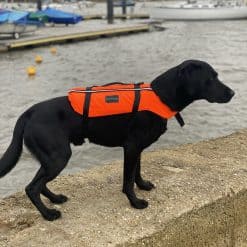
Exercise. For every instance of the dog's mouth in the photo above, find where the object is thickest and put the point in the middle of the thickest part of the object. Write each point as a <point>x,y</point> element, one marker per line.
<point>225,98</point>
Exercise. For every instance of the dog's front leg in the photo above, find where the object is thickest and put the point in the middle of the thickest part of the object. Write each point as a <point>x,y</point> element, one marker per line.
<point>131,156</point>
<point>140,182</point>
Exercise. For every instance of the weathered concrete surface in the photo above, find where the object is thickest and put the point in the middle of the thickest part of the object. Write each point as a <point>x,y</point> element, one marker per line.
<point>200,200</point>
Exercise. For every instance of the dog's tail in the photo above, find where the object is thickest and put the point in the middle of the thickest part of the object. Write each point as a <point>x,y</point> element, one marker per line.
<point>13,153</point>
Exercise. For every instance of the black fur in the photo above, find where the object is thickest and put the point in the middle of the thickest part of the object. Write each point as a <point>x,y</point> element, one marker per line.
<point>48,129</point>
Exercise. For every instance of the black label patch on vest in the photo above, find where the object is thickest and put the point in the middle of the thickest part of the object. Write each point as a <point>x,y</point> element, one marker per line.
<point>112,99</point>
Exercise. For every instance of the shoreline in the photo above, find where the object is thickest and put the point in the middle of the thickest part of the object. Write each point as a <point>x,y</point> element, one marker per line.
<point>201,194</point>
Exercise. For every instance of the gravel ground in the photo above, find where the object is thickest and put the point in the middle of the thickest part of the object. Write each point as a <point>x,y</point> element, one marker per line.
<point>188,177</point>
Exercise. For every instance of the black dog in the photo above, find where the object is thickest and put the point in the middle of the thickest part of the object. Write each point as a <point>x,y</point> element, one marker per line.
<point>49,127</point>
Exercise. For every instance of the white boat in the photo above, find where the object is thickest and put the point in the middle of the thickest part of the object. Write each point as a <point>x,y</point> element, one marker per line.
<point>16,30</point>
<point>196,11</point>
<point>15,23</point>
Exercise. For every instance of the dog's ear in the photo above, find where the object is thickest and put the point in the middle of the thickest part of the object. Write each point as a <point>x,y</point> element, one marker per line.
<point>185,69</point>
<point>185,74</point>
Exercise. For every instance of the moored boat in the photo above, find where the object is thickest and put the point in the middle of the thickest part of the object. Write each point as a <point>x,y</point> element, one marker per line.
<point>196,11</point>
<point>16,29</point>
<point>15,23</point>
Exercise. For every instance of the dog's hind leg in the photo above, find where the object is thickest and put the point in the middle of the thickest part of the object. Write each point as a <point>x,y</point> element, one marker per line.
<point>57,199</point>
<point>33,191</point>
<point>140,182</point>
<point>131,156</point>
<point>53,156</point>
<point>38,186</point>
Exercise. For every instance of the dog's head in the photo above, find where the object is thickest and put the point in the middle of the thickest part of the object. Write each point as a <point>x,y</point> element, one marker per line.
<point>189,81</point>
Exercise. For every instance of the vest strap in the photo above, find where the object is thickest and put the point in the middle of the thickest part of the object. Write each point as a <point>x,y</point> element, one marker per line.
<point>87,103</point>
<point>137,91</point>
<point>179,119</point>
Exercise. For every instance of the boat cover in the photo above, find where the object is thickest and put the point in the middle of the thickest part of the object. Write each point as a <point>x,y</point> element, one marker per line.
<point>12,16</point>
<point>2,11</point>
<point>37,16</point>
<point>58,16</point>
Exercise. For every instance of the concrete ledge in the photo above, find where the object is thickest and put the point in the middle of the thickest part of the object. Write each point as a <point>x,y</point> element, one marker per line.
<point>200,200</point>
<point>221,223</point>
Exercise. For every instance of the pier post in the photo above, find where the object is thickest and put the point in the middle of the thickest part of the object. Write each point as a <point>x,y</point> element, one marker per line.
<point>110,15</point>
<point>124,7</point>
<point>39,5</point>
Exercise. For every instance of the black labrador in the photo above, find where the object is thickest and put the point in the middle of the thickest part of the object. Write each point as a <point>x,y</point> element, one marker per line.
<point>48,128</point>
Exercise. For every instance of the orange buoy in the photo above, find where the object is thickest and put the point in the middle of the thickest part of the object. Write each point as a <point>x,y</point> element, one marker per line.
<point>53,50</point>
<point>38,59</point>
<point>31,70</point>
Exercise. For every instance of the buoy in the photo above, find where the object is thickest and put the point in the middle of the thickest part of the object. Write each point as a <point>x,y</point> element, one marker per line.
<point>31,70</point>
<point>38,59</point>
<point>53,50</point>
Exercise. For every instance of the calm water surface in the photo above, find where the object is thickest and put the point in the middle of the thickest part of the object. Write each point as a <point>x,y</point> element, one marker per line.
<point>132,58</point>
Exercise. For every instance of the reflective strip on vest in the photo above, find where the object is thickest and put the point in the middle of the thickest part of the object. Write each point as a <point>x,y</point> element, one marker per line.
<point>116,99</point>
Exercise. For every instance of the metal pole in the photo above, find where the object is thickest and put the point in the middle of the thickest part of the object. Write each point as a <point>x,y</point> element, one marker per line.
<point>110,14</point>
<point>124,7</point>
<point>39,4</point>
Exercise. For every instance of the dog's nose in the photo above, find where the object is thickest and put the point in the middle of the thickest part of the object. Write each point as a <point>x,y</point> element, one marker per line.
<point>231,93</point>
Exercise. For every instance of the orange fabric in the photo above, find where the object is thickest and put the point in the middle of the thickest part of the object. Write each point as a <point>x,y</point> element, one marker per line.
<point>125,94</point>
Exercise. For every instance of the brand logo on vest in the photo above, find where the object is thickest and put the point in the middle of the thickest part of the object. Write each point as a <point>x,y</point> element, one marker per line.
<point>112,99</point>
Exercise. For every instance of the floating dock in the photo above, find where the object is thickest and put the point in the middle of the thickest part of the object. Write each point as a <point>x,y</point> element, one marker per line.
<point>116,16</point>
<point>33,41</point>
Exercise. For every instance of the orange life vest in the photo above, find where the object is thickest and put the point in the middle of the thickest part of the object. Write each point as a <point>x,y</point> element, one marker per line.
<point>117,98</point>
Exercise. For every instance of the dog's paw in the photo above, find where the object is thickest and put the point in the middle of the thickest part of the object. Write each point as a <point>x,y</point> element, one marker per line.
<point>59,199</point>
<point>52,214</point>
<point>145,185</point>
<point>139,204</point>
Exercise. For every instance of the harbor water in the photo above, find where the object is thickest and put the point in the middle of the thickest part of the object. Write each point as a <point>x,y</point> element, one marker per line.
<point>133,58</point>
